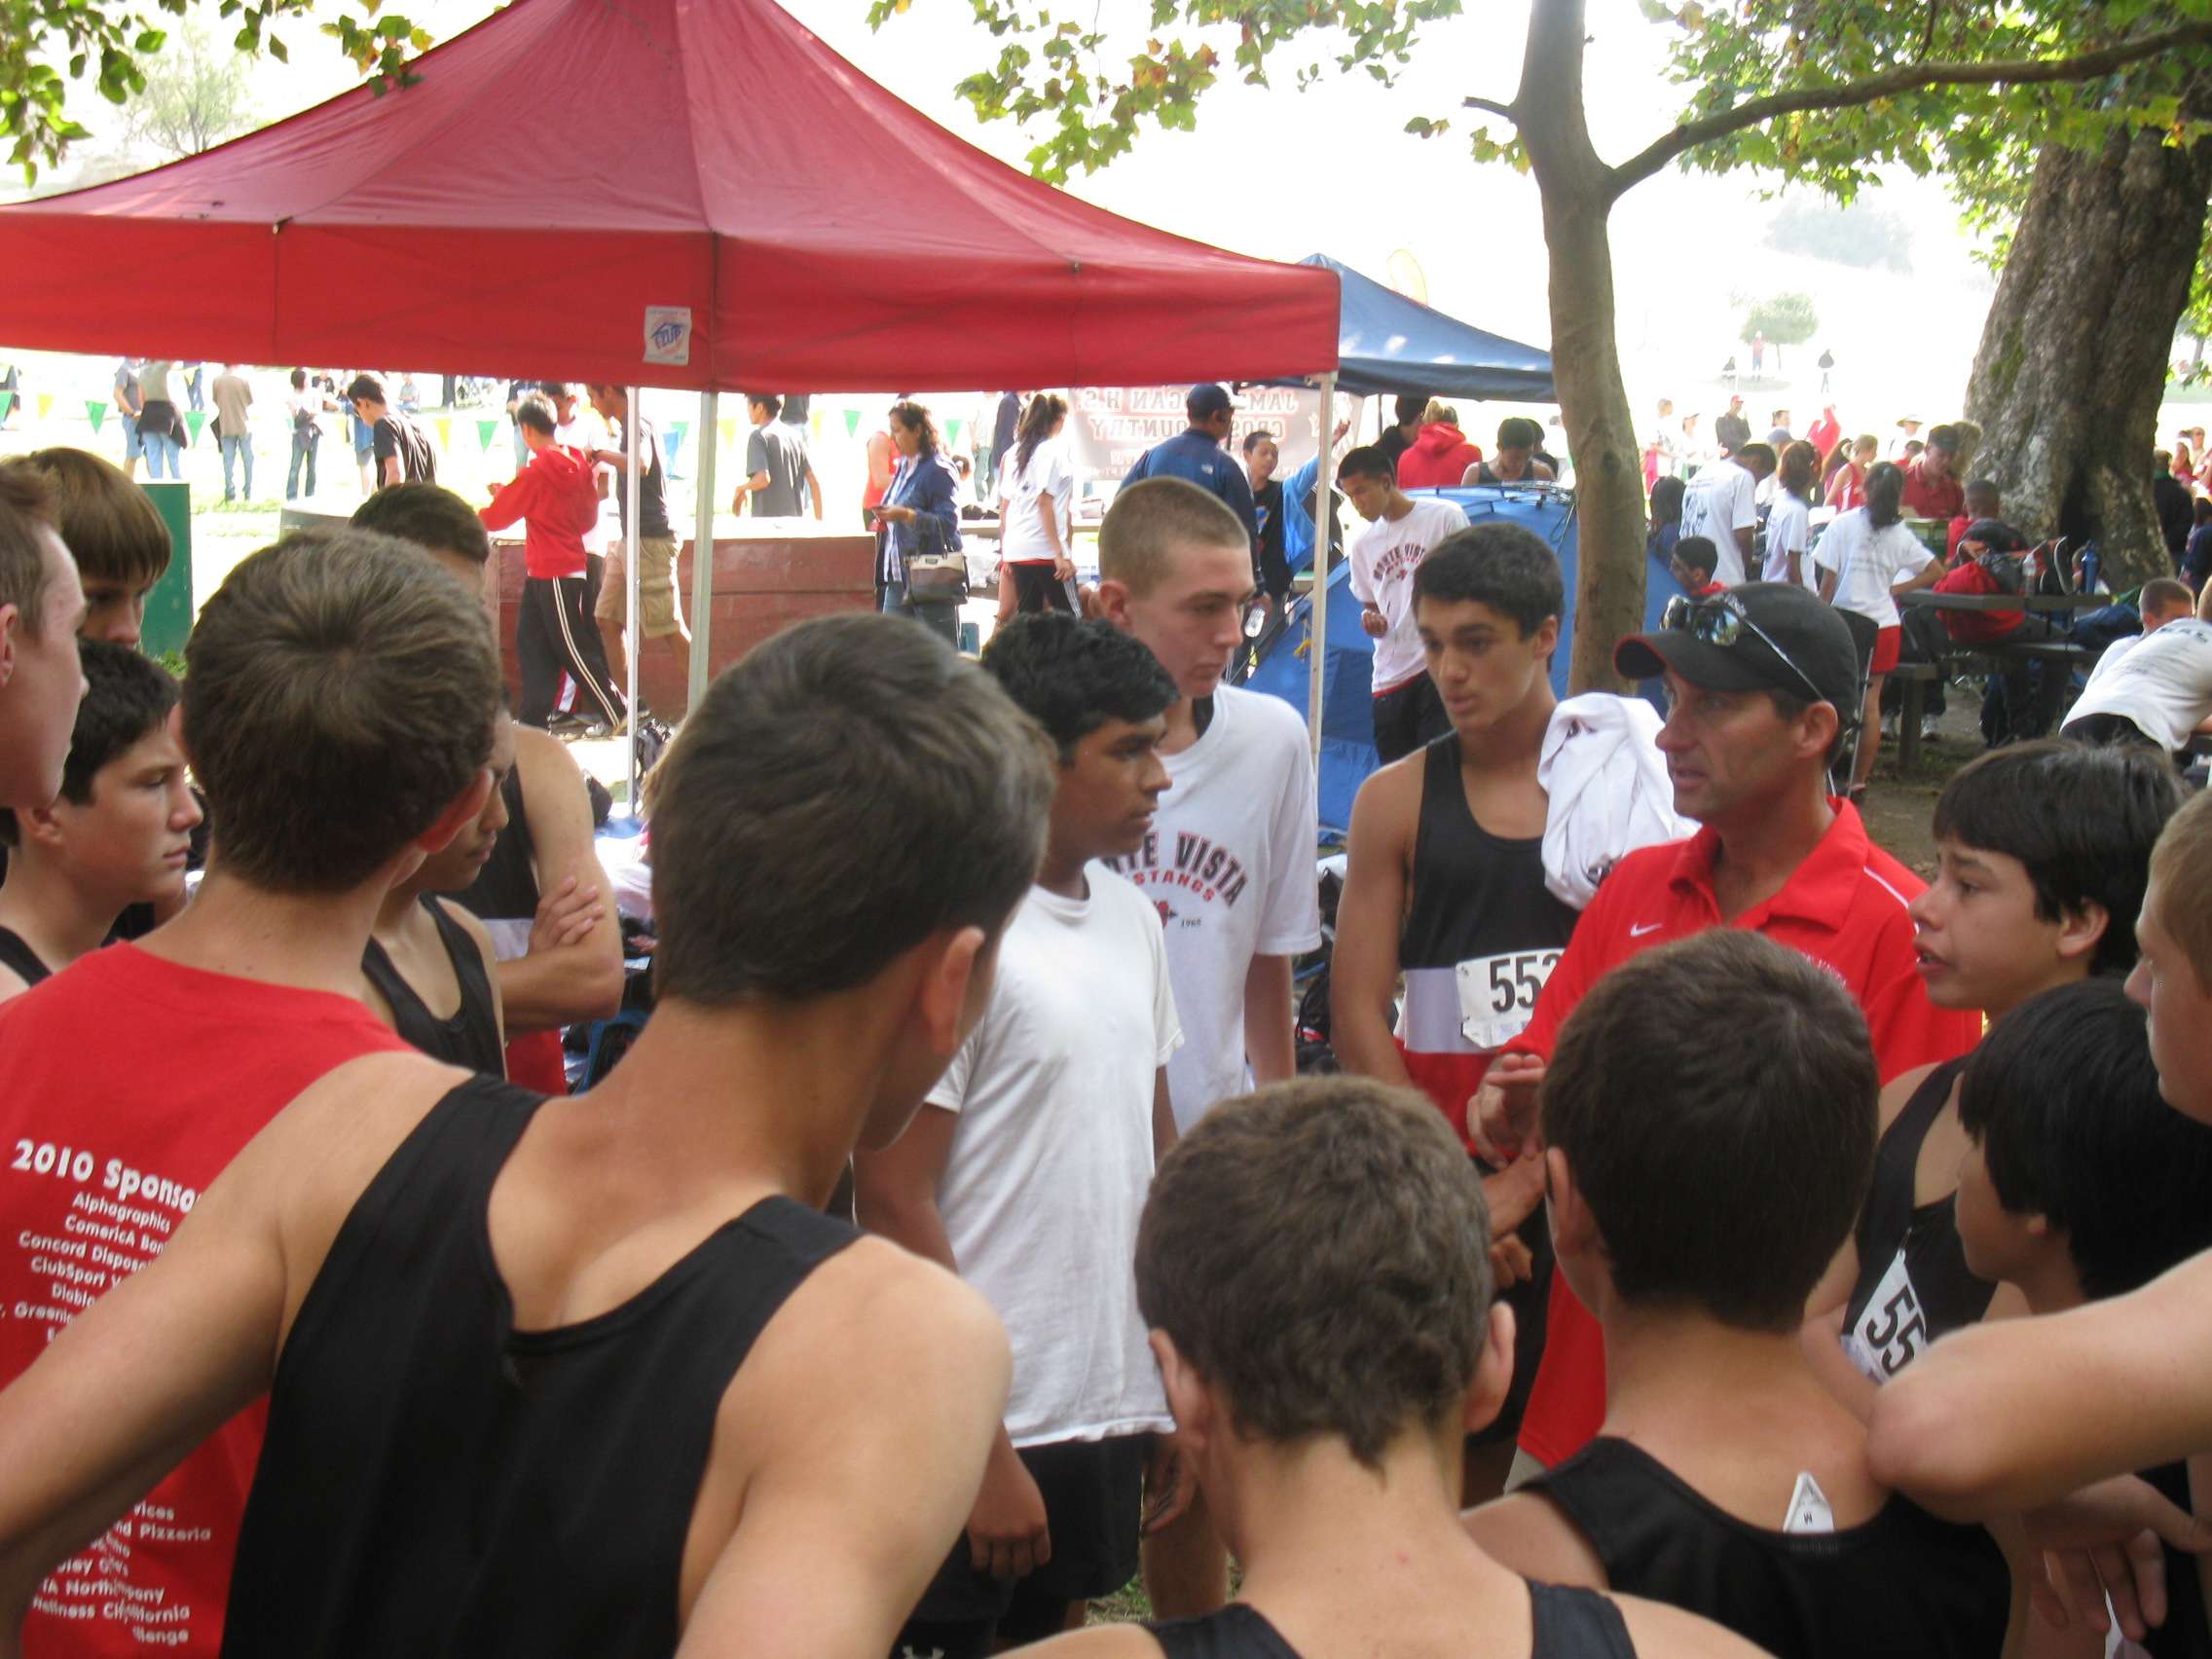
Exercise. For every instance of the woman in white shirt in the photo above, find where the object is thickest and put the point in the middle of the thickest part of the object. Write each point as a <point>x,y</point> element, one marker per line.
<point>1036,514</point>
<point>1790,521</point>
<point>1868,558</point>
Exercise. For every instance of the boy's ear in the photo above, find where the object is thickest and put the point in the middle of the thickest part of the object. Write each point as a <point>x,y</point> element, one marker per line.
<point>949,986</point>
<point>1493,1372</point>
<point>1188,1399</point>
<point>2081,930</point>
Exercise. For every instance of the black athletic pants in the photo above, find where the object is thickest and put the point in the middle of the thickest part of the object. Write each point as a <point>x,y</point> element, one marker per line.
<point>1407,718</point>
<point>555,634</point>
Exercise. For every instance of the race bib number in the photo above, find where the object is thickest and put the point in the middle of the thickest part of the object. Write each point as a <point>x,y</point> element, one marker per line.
<point>1497,994</point>
<point>1891,1332</point>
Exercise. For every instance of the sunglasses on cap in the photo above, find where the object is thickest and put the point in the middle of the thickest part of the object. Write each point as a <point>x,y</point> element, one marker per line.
<point>1720,621</point>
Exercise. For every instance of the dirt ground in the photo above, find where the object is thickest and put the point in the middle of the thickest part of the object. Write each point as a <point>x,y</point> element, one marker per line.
<point>1900,806</point>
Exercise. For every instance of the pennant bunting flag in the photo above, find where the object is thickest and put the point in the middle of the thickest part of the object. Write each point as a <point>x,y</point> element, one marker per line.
<point>814,420</point>
<point>45,404</point>
<point>95,413</point>
<point>852,423</point>
<point>195,419</point>
<point>953,433</point>
<point>673,445</point>
<point>7,402</point>
<point>485,431</point>
<point>728,431</point>
<point>445,432</point>
<point>676,431</point>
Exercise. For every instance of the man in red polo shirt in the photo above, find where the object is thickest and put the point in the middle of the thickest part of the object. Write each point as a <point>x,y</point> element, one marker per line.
<point>1932,489</point>
<point>1756,682</point>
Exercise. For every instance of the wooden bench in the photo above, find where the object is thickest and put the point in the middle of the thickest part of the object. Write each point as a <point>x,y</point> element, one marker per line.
<point>1914,678</point>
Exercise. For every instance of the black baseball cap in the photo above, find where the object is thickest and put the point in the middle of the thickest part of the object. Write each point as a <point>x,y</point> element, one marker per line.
<point>1207,401</point>
<point>1807,630</point>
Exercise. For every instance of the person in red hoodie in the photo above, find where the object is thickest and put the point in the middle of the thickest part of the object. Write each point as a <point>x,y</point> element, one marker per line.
<point>555,633</point>
<point>1440,453</point>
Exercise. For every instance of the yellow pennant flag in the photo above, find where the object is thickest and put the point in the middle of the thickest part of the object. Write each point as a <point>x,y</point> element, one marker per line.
<point>45,403</point>
<point>728,430</point>
<point>444,434</point>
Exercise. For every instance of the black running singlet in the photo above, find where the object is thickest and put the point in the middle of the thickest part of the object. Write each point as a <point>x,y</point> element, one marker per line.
<point>1904,1585</point>
<point>21,960</point>
<point>438,1484</point>
<point>1914,1284</point>
<point>471,1037</point>
<point>1568,1624</point>
<point>506,889</point>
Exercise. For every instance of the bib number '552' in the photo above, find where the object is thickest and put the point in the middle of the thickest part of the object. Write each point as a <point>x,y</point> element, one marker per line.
<point>1497,994</point>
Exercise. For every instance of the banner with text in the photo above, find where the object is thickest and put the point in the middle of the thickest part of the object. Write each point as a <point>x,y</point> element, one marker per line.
<point>1110,426</point>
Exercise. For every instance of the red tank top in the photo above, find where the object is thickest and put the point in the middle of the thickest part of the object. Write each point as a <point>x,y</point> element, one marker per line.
<point>127,1084</point>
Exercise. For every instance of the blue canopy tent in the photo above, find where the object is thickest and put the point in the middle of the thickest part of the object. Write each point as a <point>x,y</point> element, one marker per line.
<point>1386,343</point>
<point>1348,730</point>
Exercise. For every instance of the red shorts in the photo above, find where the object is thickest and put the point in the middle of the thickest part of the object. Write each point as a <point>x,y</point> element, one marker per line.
<point>1886,644</point>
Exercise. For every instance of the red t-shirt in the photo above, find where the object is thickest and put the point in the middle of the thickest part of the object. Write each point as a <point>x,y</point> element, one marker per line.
<point>1844,907</point>
<point>1824,435</point>
<point>1928,497</point>
<point>127,1083</point>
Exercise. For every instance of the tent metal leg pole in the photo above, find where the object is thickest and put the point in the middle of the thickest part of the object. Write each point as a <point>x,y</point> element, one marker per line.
<point>632,635</point>
<point>703,553</point>
<point>1318,634</point>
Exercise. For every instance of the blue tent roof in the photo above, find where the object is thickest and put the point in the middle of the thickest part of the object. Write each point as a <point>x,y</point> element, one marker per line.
<point>1388,342</point>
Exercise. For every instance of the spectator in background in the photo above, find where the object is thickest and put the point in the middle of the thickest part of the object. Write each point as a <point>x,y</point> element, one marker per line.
<point>1195,453</point>
<point>306,405</point>
<point>882,456</point>
<point>410,399</point>
<point>1396,440</point>
<point>1400,532</point>
<point>233,431</point>
<point>2177,510</point>
<point>1663,455</point>
<point>1908,432</point>
<point>2183,461</point>
<point>778,475</point>
<point>1982,501</point>
<point>1666,518</point>
<point>1867,558</point>
<point>1692,566</point>
<point>129,399</point>
<point>2154,687</point>
<point>1848,469</point>
<point>1695,453</point>
<point>161,429</point>
<point>1036,512</point>
<point>517,390</point>
<point>1778,434</point>
<point>2196,555</point>
<point>1006,422</point>
<point>1517,439</point>
<point>1824,435</point>
<point>1932,490</point>
<point>113,531</point>
<point>1270,569</point>
<point>1720,505</point>
<point>402,455</point>
<point>917,517</point>
<point>1790,520</point>
<point>1731,431</point>
<point>1441,455</point>
<point>1827,367</point>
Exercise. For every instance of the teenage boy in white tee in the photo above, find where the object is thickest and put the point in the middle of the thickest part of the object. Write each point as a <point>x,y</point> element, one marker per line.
<point>1400,530</point>
<point>1026,1171</point>
<point>1229,863</point>
<point>2154,687</point>
<point>1721,504</point>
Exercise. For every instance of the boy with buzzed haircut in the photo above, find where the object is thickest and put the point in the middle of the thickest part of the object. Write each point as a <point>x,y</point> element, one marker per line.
<point>1968,1430</point>
<point>2042,851</point>
<point>1229,863</point>
<point>1324,1408</point>
<point>539,894</point>
<point>41,608</point>
<point>1725,1478</point>
<point>1027,1169</point>
<point>112,530</point>
<point>1445,890</point>
<point>2082,1184</point>
<point>499,1324</point>
<point>117,834</point>
<point>338,713</point>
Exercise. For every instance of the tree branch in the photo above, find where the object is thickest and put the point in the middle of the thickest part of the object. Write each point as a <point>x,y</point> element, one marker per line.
<point>1910,78</point>
<point>1490,106</point>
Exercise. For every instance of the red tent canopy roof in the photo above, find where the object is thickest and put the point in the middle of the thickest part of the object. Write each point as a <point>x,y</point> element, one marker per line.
<point>780,219</point>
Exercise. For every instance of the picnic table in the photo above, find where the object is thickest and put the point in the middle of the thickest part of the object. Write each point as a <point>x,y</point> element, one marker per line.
<point>1913,677</point>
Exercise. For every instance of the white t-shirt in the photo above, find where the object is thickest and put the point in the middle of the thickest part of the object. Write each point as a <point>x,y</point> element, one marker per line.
<point>1048,478</point>
<point>1229,867</point>
<point>2160,682</point>
<point>1721,499</point>
<point>1052,1156</point>
<point>588,432</point>
<point>1868,561</point>
<point>1383,564</point>
<point>1789,529</point>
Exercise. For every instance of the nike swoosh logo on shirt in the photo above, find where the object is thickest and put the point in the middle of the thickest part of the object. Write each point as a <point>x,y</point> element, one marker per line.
<point>1648,927</point>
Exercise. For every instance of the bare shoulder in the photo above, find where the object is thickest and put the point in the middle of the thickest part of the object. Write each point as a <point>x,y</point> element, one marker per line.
<point>544,762</point>
<point>11,985</point>
<point>1659,1632</point>
<point>1899,1090</point>
<point>1532,1536</point>
<point>1389,802</point>
<point>474,929</point>
<point>1100,1641</point>
<point>350,1121</point>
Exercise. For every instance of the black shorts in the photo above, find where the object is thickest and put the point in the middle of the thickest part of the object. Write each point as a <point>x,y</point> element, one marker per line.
<point>1407,717</point>
<point>1035,588</point>
<point>1094,1493</point>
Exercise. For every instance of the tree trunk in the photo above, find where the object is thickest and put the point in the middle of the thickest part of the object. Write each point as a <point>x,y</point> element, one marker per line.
<point>2073,360</point>
<point>1577,192</point>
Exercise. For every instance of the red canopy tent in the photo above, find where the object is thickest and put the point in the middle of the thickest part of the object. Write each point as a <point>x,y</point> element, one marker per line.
<point>747,210</point>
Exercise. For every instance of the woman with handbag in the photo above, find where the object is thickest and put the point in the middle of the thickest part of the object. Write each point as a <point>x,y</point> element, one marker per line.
<point>919,570</point>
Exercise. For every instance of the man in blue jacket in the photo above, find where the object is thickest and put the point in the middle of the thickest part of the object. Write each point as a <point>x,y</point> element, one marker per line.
<point>1197,454</point>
